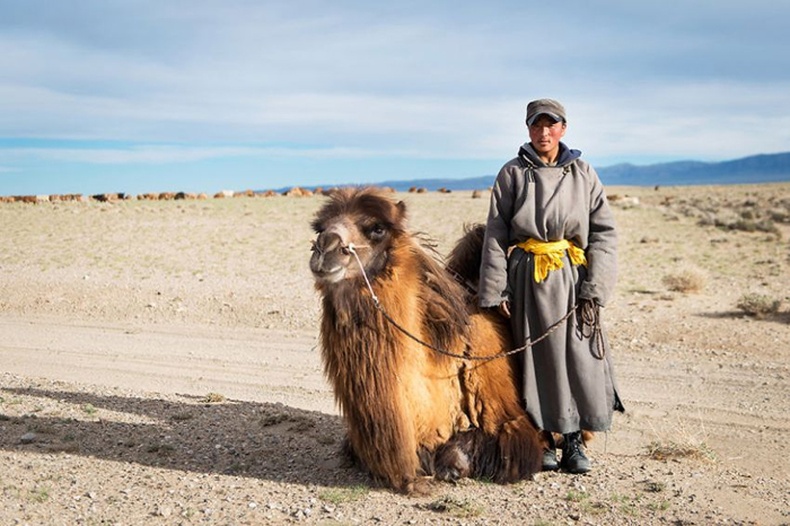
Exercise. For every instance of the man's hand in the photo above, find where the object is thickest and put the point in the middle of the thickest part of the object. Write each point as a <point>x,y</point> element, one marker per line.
<point>504,309</point>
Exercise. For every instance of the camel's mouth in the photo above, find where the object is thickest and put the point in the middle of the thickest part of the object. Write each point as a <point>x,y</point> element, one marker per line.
<point>333,275</point>
<point>328,267</point>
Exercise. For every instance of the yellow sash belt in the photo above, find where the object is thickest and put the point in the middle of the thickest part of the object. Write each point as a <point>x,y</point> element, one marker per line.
<point>548,255</point>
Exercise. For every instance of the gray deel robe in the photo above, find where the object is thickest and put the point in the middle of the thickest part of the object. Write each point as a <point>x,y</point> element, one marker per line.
<point>565,387</point>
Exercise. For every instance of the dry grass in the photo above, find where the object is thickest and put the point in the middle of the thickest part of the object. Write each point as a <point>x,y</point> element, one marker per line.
<point>681,443</point>
<point>759,305</point>
<point>214,398</point>
<point>337,496</point>
<point>688,280</point>
<point>758,210</point>
<point>671,450</point>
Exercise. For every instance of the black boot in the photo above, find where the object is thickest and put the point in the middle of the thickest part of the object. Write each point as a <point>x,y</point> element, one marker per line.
<point>550,454</point>
<point>573,458</point>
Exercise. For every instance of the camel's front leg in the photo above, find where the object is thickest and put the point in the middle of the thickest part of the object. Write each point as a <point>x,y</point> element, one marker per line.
<point>384,440</point>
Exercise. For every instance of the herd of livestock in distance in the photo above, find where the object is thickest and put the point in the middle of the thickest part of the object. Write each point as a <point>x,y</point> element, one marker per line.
<point>171,196</point>
<point>622,200</point>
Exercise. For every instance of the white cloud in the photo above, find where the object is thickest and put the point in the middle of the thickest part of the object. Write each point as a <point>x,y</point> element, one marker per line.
<point>174,154</point>
<point>401,80</point>
<point>703,120</point>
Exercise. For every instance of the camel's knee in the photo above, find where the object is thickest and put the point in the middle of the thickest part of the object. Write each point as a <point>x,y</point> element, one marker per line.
<point>452,463</point>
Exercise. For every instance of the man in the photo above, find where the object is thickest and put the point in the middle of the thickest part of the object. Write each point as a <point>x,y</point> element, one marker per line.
<point>551,244</point>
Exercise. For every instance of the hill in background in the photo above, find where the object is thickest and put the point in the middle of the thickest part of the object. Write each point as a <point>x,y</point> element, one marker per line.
<point>764,168</point>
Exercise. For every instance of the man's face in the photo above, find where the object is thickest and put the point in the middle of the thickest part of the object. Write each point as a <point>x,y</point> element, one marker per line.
<point>545,135</point>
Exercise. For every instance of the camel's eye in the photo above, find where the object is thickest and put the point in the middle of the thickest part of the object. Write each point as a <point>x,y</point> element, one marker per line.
<point>376,232</point>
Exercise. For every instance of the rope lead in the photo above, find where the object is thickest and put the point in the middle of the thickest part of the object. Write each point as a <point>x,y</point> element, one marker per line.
<point>352,249</point>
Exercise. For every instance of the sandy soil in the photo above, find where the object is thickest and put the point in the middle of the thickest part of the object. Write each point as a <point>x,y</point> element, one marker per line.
<point>159,364</point>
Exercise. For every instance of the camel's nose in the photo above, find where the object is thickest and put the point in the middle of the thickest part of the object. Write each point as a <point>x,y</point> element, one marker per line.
<point>333,238</point>
<point>329,256</point>
<point>328,241</point>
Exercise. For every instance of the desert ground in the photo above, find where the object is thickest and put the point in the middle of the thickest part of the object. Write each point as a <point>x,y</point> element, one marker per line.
<point>160,364</point>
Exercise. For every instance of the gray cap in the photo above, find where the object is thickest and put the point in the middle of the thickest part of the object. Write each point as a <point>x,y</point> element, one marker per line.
<point>549,107</point>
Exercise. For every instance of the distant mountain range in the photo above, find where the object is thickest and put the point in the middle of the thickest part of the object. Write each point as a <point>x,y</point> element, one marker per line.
<point>765,168</point>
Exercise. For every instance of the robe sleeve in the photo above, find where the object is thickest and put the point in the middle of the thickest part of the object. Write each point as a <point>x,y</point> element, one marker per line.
<point>601,249</point>
<point>493,288</point>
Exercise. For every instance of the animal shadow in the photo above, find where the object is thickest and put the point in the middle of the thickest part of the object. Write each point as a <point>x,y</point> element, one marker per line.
<point>258,440</point>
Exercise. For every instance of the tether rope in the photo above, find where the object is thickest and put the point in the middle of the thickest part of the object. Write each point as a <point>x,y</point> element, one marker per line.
<point>589,319</point>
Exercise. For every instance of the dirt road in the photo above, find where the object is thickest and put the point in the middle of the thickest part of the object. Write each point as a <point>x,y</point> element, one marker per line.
<point>178,380</point>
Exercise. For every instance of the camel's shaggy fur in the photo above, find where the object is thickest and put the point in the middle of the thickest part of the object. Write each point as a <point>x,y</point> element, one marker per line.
<point>409,410</point>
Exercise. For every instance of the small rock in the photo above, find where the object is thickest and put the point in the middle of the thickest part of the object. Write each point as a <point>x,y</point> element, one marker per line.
<point>28,438</point>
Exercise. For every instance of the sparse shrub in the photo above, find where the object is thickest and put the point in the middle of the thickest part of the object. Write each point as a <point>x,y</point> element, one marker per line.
<point>39,495</point>
<point>759,305</point>
<point>214,398</point>
<point>576,496</point>
<point>779,216</point>
<point>676,450</point>
<point>663,505</point>
<point>751,225</point>
<point>686,280</point>
<point>343,495</point>
<point>681,442</point>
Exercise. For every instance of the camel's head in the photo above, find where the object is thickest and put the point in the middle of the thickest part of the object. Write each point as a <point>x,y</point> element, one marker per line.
<point>365,219</point>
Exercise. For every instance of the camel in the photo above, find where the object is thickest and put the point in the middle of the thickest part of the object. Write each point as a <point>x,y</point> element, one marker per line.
<point>412,412</point>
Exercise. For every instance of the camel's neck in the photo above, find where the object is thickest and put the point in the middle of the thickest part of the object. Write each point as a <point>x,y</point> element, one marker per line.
<point>413,289</point>
<point>361,348</point>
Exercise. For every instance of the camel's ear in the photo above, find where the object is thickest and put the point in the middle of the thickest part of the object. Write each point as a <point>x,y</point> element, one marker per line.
<point>401,206</point>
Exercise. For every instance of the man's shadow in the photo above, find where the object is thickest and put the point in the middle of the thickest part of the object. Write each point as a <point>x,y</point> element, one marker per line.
<point>258,440</point>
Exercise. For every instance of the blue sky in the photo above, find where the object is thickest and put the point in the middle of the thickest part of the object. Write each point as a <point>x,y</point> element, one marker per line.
<point>198,95</point>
